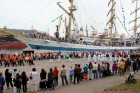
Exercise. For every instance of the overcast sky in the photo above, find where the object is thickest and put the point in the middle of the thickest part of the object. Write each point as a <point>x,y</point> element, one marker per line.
<point>23,14</point>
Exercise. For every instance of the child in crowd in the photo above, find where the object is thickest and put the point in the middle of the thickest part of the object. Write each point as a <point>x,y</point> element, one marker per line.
<point>14,73</point>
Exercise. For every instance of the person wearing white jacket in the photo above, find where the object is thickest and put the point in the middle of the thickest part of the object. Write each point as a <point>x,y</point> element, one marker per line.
<point>34,80</point>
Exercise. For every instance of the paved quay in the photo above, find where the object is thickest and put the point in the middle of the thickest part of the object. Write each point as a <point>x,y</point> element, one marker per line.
<point>90,86</point>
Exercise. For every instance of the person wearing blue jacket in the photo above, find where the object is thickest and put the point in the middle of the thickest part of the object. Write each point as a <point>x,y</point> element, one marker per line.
<point>85,68</point>
<point>2,82</point>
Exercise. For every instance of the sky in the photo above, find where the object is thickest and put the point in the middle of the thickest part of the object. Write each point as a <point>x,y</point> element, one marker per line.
<point>23,14</point>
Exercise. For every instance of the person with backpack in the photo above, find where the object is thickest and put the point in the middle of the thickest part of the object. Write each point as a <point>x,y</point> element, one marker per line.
<point>2,82</point>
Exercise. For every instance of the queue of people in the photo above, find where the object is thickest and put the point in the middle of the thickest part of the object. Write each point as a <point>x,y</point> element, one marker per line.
<point>74,75</point>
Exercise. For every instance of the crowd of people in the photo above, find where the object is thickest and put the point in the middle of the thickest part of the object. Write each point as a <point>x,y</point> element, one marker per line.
<point>98,66</point>
<point>20,58</point>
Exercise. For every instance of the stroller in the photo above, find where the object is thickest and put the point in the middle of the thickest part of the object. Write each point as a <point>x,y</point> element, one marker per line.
<point>130,79</point>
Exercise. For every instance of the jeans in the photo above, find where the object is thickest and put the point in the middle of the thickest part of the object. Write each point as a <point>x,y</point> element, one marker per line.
<point>64,78</point>
<point>70,78</point>
<point>55,81</point>
<point>101,74</point>
<point>95,72</point>
<point>115,72</point>
<point>90,76</point>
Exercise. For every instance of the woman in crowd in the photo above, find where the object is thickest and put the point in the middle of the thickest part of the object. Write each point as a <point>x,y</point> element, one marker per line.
<point>90,66</point>
<point>34,80</point>
<point>24,81</point>
<point>51,78</point>
<point>43,78</point>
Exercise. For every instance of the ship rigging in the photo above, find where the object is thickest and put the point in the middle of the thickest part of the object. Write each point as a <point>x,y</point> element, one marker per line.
<point>72,8</point>
<point>136,35</point>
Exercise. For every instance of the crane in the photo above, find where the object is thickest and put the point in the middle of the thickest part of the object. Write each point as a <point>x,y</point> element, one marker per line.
<point>58,26</point>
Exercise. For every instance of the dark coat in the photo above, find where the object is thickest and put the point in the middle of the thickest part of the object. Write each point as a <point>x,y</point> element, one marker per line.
<point>8,77</point>
<point>24,79</point>
<point>17,82</point>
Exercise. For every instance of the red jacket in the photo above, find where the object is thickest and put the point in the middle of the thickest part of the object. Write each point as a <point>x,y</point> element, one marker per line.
<point>56,72</point>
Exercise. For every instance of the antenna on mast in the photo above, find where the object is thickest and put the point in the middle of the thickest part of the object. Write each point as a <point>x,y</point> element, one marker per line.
<point>112,18</point>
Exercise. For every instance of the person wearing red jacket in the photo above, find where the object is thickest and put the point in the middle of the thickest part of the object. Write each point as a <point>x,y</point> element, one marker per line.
<point>56,71</point>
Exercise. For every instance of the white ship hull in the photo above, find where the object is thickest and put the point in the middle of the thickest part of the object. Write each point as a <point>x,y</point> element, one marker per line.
<point>38,44</point>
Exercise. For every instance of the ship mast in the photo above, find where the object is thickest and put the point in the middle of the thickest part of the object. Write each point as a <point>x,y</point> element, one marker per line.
<point>86,31</point>
<point>136,26</point>
<point>112,18</point>
<point>70,13</point>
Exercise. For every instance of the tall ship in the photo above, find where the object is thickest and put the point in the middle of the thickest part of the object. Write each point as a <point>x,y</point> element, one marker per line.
<point>74,40</point>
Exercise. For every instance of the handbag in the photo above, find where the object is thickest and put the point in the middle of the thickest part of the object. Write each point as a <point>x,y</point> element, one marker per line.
<point>31,76</point>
